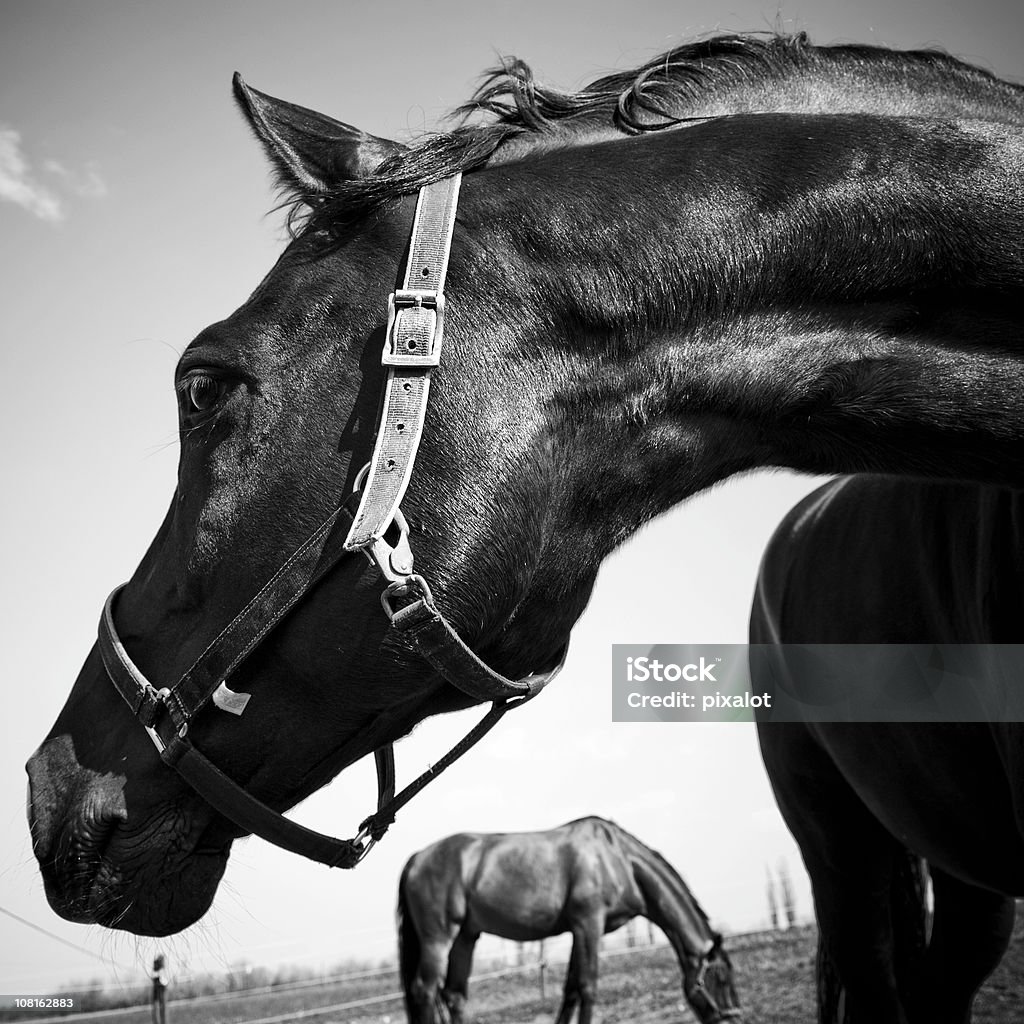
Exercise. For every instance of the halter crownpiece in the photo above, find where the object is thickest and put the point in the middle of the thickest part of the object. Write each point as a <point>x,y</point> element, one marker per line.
<point>412,350</point>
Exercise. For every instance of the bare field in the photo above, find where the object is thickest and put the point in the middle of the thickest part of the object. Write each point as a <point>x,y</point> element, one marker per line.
<point>774,976</point>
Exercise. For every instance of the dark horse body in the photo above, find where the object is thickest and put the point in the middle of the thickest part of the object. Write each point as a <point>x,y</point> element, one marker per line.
<point>587,877</point>
<point>630,320</point>
<point>882,560</point>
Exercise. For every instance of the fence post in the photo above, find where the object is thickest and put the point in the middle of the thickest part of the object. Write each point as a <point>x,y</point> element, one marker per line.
<point>158,975</point>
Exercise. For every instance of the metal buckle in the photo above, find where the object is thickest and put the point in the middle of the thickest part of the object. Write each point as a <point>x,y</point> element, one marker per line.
<point>163,694</point>
<point>413,298</point>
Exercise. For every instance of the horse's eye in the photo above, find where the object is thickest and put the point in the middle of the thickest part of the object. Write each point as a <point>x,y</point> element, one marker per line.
<point>201,393</point>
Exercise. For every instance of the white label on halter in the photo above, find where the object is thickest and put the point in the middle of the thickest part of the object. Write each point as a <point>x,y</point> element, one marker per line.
<point>228,700</point>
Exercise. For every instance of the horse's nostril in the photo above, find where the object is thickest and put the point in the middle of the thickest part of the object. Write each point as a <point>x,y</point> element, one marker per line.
<point>36,803</point>
<point>65,799</point>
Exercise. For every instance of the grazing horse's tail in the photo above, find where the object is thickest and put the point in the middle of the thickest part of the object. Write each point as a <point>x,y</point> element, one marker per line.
<point>408,942</point>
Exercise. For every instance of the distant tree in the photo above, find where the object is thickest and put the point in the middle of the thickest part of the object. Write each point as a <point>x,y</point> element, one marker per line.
<point>788,895</point>
<point>773,906</point>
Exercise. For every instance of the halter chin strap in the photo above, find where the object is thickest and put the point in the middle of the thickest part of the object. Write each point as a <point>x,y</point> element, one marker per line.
<point>412,350</point>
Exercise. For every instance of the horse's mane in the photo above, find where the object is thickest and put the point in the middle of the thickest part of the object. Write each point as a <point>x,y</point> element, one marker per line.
<point>641,100</point>
<point>511,104</point>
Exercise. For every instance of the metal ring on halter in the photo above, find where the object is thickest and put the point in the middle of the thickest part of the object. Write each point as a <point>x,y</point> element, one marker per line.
<point>402,589</point>
<point>394,561</point>
<point>360,479</point>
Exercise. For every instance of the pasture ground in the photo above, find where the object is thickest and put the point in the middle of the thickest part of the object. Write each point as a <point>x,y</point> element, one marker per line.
<point>774,974</point>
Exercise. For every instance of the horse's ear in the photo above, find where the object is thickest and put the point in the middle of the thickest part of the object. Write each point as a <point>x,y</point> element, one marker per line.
<point>310,151</point>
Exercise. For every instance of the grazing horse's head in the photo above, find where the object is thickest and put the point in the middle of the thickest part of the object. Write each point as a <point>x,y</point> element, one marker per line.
<point>710,988</point>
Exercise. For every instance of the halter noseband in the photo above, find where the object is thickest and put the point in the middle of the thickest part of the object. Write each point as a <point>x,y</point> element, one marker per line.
<point>411,350</point>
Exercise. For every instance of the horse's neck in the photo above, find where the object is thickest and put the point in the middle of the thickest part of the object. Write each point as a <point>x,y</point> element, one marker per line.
<point>668,901</point>
<point>854,309</point>
<point>833,295</point>
<point>820,307</point>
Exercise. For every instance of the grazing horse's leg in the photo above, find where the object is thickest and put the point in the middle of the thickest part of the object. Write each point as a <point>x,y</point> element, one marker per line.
<point>425,991</point>
<point>456,985</point>
<point>581,981</point>
<point>849,858</point>
<point>571,993</point>
<point>970,933</point>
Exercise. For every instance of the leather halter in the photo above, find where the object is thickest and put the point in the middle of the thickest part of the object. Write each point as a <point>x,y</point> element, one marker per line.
<point>411,351</point>
<point>698,990</point>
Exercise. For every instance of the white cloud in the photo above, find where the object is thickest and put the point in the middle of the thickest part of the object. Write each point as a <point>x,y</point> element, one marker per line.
<point>86,183</point>
<point>21,185</point>
<point>17,184</point>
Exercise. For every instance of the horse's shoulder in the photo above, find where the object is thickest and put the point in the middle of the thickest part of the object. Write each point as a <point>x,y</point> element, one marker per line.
<point>446,853</point>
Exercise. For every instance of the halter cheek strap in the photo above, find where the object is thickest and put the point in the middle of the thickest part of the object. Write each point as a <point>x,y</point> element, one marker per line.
<point>372,513</point>
<point>412,349</point>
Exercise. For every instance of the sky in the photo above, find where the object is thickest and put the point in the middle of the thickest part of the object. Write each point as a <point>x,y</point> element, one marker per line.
<point>133,212</point>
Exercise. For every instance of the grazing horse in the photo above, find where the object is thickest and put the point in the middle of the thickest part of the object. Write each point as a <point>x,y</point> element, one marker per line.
<point>587,877</point>
<point>633,313</point>
<point>882,560</point>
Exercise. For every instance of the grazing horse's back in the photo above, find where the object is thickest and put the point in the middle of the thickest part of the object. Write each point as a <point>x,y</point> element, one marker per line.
<point>465,878</point>
<point>880,560</point>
